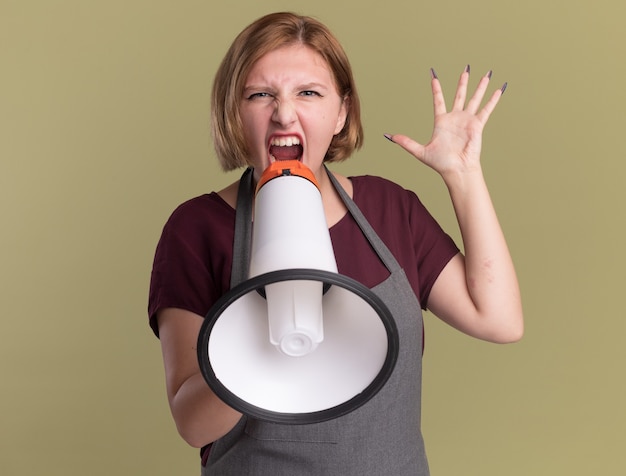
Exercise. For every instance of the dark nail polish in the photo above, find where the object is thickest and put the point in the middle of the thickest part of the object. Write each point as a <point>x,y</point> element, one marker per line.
<point>503,88</point>
<point>433,74</point>
<point>467,68</point>
<point>388,137</point>
<point>489,74</point>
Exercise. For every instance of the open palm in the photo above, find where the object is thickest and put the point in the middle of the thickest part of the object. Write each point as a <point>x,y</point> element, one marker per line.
<point>456,141</point>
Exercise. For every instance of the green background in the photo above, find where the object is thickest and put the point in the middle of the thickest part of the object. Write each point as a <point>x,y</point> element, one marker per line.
<point>104,111</point>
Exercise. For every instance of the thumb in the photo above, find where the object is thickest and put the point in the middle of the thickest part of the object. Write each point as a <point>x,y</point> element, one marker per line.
<point>412,147</point>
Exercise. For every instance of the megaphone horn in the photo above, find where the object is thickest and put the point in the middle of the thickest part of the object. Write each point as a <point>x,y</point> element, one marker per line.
<point>297,342</point>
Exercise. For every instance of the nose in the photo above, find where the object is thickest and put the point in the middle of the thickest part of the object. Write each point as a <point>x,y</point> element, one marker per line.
<point>284,112</point>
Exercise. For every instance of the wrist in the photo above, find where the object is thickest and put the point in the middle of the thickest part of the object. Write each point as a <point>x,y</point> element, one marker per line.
<point>463,180</point>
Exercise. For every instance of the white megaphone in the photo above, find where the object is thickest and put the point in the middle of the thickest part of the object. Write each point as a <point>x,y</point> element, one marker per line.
<point>296,342</point>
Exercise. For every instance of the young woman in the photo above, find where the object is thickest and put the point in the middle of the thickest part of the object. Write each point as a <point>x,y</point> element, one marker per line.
<point>285,91</point>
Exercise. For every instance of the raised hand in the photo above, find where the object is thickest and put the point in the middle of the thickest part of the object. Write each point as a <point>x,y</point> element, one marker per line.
<point>456,141</point>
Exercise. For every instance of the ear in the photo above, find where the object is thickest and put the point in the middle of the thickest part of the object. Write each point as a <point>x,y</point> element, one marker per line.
<point>343,114</point>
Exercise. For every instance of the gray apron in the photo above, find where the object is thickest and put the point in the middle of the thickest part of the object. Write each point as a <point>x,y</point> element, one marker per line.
<point>380,438</point>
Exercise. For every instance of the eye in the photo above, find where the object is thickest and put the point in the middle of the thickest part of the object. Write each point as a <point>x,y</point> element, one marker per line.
<point>259,95</point>
<point>309,93</point>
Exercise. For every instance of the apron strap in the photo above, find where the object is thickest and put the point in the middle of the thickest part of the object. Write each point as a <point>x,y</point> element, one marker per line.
<point>243,229</point>
<point>379,246</point>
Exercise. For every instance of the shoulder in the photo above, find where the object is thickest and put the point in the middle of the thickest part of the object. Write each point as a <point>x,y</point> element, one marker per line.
<point>374,184</point>
<point>202,220</point>
<point>204,209</point>
<point>371,190</point>
<point>388,205</point>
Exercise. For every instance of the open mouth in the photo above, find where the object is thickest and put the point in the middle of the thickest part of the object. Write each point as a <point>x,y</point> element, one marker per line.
<point>286,148</point>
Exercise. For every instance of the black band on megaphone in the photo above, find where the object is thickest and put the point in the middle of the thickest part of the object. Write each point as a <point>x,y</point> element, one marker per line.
<point>330,280</point>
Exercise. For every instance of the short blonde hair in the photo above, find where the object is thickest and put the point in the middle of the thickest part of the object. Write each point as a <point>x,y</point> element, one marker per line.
<point>266,34</point>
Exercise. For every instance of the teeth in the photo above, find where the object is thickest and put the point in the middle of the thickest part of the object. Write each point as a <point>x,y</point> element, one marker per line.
<point>285,141</point>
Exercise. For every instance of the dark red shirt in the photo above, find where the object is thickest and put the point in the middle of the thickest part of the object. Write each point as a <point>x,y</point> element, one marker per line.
<point>194,255</point>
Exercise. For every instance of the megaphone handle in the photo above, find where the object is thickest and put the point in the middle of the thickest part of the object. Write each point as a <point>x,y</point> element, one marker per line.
<point>243,229</point>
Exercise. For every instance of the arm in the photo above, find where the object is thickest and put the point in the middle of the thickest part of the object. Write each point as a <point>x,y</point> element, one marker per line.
<point>477,293</point>
<point>200,416</point>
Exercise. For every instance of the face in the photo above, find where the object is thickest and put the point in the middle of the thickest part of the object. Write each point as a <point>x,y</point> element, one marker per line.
<point>290,108</point>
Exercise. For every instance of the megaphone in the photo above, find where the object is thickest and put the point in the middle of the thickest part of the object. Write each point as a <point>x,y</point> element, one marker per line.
<point>296,342</point>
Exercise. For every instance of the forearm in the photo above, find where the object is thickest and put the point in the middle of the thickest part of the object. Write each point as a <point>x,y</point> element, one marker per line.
<point>489,271</point>
<point>200,416</point>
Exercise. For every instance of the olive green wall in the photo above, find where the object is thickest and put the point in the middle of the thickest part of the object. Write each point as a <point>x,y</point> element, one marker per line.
<point>104,111</point>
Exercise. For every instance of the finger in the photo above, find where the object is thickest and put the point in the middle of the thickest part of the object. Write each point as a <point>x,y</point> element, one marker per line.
<point>490,105</point>
<point>461,90</point>
<point>412,147</point>
<point>474,103</point>
<point>439,103</point>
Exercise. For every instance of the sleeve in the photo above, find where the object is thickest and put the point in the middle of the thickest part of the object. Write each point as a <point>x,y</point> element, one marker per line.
<point>433,247</point>
<point>191,263</point>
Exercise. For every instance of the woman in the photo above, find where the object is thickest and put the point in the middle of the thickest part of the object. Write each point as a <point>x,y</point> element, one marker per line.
<point>285,91</point>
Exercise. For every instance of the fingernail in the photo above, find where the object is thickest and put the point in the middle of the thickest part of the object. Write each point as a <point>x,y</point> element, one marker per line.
<point>503,88</point>
<point>467,68</point>
<point>388,137</point>
<point>489,74</point>
<point>433,74</point>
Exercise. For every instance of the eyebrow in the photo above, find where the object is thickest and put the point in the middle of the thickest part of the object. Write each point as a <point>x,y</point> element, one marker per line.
<point>312,85</point>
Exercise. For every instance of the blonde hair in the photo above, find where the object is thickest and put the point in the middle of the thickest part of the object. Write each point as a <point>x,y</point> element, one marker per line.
<point>266,34</point>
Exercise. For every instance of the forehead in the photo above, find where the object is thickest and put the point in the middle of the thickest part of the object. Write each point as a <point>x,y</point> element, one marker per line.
<point>290,63</point>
